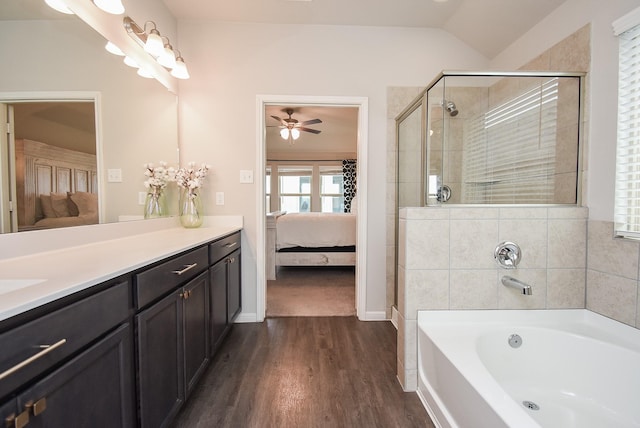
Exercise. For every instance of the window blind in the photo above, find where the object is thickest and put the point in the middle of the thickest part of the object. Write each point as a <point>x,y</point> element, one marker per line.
<point>509,152</point>
<point>627,188</point>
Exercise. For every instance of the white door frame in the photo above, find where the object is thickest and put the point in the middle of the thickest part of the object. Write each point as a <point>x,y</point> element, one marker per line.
<point>362,103</point>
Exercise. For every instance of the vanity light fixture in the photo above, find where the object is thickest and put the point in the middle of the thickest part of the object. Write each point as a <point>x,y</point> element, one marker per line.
<point>168,57</point>
<point>180,70</point>
<point>113,7</point>
<point>130,62</point>
<point>144,73</point>
<point>59,5</point>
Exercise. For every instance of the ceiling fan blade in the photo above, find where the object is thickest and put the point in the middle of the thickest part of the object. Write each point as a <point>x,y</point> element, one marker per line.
<point>279,120</point>
<point>313,131</point>
<point>311,122</point>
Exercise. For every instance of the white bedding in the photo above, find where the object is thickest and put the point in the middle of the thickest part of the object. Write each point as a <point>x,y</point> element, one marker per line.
<point>315,230</point>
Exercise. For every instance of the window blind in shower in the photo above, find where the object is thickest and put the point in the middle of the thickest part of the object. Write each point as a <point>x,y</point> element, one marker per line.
<point>510,151</point>
<point>627,186</point>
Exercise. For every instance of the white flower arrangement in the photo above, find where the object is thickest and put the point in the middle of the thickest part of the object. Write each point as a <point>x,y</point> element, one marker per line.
<point>158,176</point>
<point>191,178</point>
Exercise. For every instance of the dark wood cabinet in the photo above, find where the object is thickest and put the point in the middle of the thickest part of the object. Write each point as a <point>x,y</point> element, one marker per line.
<point>233,286</point>
<point>94,389</point>
<point>173,350</point>
<point>218,280</point>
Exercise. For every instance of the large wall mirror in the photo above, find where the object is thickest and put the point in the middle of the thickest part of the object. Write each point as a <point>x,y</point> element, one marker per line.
<point>68,95</point>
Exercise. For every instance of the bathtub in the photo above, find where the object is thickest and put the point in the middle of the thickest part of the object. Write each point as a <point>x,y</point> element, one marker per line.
<point>567,368</point>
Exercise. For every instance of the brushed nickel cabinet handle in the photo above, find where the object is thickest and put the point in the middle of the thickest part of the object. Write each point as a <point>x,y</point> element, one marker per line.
<point>231,244</point>
<point>46,349</point>
<point>37,407</point>
<point>186,268</point>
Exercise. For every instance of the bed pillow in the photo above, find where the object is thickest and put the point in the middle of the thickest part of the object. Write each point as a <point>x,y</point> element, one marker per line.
<point>47,208</point>
<point>87,203</point>
<point>59,204</point>
<point>73,208</point>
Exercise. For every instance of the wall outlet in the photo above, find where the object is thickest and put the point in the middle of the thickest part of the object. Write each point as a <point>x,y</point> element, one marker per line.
<point>246,176</point>
<point>142,197</point>
<point>219,198</point>
<point>114,175</point>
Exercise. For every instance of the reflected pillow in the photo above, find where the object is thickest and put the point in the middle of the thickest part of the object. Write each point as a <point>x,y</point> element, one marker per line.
<point>47,209</point>
<point>59,204</point>
<point>87,203</point>
<point>73,208</point>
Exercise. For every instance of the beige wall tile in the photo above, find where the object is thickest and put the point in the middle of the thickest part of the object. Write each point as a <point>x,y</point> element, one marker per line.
<point>527,213</point>
<point>427,244</point>
<point>473,243</point>
<point>612,296</point>
<point>531,237</point>
<point>606,254</point>
<point>477,213</point>
<point>566,288</point>
<point>425,289</point>
<point>473,289</point>
<point>567,244</point>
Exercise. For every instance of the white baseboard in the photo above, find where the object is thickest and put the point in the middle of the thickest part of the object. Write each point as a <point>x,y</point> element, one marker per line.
<point>246,317</point>
<point>374,316</point>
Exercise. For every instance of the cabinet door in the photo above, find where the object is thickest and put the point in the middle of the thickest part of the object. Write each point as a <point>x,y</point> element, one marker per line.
<point>218,304</point>
<point>11,416</point>
<point>160,361</point>
<point>196,329</point>
<point>94,389</point>
<point>234,303</point>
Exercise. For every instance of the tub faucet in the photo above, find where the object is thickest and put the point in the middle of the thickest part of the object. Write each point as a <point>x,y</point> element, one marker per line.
<point>517,284</point>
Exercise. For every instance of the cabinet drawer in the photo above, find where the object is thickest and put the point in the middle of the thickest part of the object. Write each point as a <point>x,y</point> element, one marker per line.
<point>223,247</point>
<point>57,335</point>
<point>157,281</point>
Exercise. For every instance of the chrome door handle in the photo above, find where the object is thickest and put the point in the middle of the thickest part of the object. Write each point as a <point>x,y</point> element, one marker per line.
<point>186,268</point>
<point>45,351</point>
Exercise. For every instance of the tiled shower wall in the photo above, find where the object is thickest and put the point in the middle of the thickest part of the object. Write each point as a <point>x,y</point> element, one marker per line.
<point>445,261</point>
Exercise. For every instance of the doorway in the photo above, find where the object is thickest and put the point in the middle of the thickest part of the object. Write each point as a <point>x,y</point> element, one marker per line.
<point>267,104</point>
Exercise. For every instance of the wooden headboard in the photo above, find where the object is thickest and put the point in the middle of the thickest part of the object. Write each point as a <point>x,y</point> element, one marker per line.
<point>43,169</point>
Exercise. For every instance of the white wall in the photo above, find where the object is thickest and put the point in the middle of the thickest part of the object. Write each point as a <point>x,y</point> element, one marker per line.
<point>602,91</point>
<point>232,63</point>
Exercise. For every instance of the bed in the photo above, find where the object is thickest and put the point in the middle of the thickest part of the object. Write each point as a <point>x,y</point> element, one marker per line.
<point>310,239</point>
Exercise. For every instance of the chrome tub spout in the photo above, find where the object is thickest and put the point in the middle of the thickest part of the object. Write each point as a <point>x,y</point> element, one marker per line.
<point>517,284</point>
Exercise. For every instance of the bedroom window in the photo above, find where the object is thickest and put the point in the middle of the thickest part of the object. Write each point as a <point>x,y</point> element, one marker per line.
<point>331,189</point>
<point>295,188</point>
<point>267,184</point>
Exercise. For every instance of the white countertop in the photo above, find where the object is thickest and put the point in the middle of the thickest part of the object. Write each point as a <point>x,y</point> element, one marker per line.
<point>72,269</point>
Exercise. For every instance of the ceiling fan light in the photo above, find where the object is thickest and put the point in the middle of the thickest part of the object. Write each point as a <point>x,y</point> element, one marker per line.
<point>284,133</point>
<point>113,7</point>
<point>111,48</point>
<point>154,45</point>
<point>295,133</point>
<point>59,5</point>
<point>180,70</point>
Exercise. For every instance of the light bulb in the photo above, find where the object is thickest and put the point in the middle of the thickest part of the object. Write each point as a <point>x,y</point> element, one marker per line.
<point>111,48</point>
<point>130,62</point>
<point>180,69</point>
<point>144,73</point>
<point>59,5</point>
<point>154,45</point>
<point>284,133</point>
<point>295,133</point>
<point>113,7</point>
<point>168,58</point>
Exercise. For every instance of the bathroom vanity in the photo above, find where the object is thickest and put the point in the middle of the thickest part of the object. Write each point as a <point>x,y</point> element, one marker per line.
<point>120,331</point>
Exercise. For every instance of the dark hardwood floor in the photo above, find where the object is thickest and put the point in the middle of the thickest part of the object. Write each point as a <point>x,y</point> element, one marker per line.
<point>305,372</point>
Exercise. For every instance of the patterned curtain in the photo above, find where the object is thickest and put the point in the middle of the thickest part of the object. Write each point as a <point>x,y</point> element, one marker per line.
<point>349,169</point>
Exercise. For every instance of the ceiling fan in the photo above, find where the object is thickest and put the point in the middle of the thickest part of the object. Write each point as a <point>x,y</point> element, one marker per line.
<point>290,128</point>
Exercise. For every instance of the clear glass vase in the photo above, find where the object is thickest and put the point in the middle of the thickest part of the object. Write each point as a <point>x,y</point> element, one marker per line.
<point>155,205</point>
<point>191,214</point>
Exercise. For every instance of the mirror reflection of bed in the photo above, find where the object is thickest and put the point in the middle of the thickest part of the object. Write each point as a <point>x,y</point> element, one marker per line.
<point>311,220</point>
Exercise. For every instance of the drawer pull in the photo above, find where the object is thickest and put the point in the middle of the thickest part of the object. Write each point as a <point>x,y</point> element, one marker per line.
<point>46,349</point>
<point>19,421</point>
<point>37,407</point>
<point>186,268</point>
<point>185,294</point>
<point>231,244</point>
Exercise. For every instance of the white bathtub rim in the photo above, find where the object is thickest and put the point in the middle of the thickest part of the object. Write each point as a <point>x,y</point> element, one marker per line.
<point>572,321</point>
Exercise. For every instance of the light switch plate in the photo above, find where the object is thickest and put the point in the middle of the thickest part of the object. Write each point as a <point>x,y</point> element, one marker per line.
<point>142,197</point>
<point>114,175</point>
<point>246,176</point>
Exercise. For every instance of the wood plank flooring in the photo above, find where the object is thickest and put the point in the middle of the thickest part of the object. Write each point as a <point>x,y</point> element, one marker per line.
<point>305,372</point>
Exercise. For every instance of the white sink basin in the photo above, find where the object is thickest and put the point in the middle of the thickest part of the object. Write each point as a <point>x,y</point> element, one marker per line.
<point>7,285</point>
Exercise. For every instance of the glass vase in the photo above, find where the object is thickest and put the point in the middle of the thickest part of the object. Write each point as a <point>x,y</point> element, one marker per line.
<point>191,214</point>
<point>155,205</point>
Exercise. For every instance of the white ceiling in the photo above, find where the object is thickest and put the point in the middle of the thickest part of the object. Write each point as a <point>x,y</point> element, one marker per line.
<point>489,26</point>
